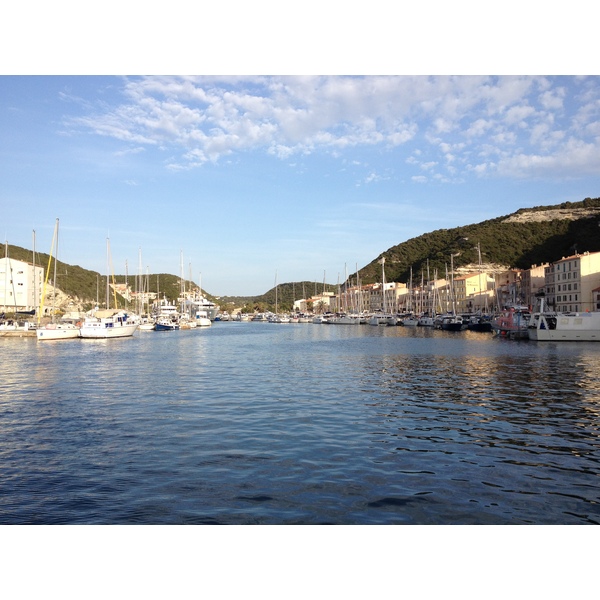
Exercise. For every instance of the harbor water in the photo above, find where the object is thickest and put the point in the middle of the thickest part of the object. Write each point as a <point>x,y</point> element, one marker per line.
<point>260,423</point>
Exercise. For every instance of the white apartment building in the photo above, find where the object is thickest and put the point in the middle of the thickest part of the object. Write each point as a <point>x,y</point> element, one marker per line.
<point>570,282</point>
<point>20,285</point>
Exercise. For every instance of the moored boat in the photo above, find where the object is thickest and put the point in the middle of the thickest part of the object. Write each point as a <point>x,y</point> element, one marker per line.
<point>111,323</point>
<point>565,327</point>
<point>57,331</point>
<point>54,331</point>
<point>479,323</point>
<point>512,323</point>
<point>452,323</point>
<point>410,321</point>
<point>166,324</point>
<point>546,326</point>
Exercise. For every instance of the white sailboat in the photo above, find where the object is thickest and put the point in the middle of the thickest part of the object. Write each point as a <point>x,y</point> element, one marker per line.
<point>54,331</point>
<point>109,323</point>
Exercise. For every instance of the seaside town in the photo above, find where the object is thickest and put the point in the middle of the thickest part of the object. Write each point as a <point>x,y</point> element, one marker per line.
<point>516,303</point>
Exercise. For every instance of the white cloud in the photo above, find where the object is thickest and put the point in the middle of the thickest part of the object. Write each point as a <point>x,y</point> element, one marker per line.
<point>203,119</point>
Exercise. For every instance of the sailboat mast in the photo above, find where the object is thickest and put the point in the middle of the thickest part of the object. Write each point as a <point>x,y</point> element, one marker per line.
<point>35,281</point>
<point>54,240</point>
<point>107,276</point>
<point>54,282</point>
<point>383,284</point>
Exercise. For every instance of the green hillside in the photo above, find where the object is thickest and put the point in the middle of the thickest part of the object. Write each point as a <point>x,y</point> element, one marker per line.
<point>514,244</point>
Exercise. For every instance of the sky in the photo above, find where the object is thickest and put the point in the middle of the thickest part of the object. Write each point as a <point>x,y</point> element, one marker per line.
<point>241,181</point>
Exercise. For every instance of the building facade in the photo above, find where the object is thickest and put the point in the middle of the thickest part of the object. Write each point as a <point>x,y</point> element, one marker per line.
<point>569,282</point>
<point>20,285</point>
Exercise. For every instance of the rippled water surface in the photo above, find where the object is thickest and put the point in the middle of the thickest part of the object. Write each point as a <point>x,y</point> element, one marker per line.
<point>279,424</point>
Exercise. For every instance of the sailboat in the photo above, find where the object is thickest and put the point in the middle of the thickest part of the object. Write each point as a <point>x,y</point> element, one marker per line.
<point>54,331</point>
<point>381,318</point>
<point>109,323</point>
<point>452,322</point>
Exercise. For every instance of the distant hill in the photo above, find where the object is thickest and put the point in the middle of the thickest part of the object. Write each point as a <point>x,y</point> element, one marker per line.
<point>84,286</point>
<point>529,236</point>
<point>285,296</point>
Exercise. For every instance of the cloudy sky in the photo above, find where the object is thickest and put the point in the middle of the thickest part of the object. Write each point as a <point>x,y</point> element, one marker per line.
<point>245,178</point>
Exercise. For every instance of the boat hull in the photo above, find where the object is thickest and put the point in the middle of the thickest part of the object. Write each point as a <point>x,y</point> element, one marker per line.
<point>57,333</point>
<point>101,331</point>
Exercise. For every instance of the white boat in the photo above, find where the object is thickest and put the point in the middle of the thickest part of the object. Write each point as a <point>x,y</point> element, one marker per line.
<point>111,323</point>
<point>410,321</point>
<point>346,319</point>
<point>565,327</point>
<point>379,319</point>
<point>202,319</point>
<point>54,331</point>
<point>57,331</point>
<point>321,319</point>
<point>426,321</point>
<point>546,326</point>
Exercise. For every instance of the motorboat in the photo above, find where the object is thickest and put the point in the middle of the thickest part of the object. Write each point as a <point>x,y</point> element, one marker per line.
<point>552,326</point>
<point>109,323</point>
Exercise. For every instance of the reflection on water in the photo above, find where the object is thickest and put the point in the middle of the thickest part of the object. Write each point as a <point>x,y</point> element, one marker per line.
<point>264,423</point>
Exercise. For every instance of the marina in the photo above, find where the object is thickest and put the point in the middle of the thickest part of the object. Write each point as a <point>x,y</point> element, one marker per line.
<point>261,423</point>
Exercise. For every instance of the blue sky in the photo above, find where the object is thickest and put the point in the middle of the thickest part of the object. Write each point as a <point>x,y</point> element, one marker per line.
<point>244,178</point>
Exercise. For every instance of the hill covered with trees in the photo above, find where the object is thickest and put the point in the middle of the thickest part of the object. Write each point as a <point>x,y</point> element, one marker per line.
<point>528,237</point>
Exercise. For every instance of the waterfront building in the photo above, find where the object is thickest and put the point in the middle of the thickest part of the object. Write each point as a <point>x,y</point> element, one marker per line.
<point>532,281</point>
<point>508,285</point>
<point>471,292</point>
<point>396,296</point>
<point>20,285</point>
<point>570,282</point>
<point>322,302</point>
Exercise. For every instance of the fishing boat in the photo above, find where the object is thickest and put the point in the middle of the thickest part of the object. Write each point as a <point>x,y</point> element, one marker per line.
<point>54,331</point>
<point>513,322</point>
<point>548,326</point>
